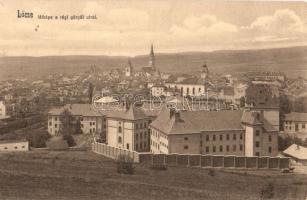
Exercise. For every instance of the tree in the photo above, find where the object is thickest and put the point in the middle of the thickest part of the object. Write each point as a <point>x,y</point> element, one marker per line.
<point>66,126</point>
<point>90,92</point>
<point>285,107</point>
<point>78,129</point>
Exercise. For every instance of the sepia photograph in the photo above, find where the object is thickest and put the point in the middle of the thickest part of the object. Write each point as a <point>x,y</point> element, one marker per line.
<point>153,100</point>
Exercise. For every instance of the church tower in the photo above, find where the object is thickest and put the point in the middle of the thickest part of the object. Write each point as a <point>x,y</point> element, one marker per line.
<point>204,72</point>
<point>152,58</point>
<point>129,69</point>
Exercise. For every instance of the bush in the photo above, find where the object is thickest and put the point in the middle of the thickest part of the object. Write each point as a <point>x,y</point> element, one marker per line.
<point>267,191</point>
<point>70,140</point>
<point>159,166</point>
<point>38,139</point>
<point>211,172</point>
<point>125,165</point>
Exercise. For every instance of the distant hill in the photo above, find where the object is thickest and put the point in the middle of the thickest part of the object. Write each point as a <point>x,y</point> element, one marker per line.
<point>292,61</point>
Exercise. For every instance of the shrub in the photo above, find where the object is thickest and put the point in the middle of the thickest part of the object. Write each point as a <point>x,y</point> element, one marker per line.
<point>125,165</point>
<point>38,139</point>
<point>159,166</point>
<point>69,139</point>
<point>267,191</point>
<point>211,172</point>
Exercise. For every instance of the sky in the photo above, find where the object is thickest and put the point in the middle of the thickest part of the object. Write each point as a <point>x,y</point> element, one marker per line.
<point>129,27</point>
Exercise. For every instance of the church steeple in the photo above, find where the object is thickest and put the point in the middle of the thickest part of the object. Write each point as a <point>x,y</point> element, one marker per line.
<point>152,58</point>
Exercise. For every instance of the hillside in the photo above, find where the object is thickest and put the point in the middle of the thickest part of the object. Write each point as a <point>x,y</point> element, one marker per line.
<point>85,175</point>
<point>292,61</point>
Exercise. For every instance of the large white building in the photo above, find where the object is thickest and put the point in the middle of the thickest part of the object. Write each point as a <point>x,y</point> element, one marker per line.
<point>128,129</point>
<point>3,111</point>
<point>249,132</point>
<point>14,145</point>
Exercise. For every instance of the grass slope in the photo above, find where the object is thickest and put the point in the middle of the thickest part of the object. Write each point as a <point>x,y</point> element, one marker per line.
<point>85,175</point>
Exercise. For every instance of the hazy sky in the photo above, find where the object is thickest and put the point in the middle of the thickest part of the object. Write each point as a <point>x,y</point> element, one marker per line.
<point>129,27</point>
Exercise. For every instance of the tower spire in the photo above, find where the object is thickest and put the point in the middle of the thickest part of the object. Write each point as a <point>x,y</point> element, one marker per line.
<point>152,58</point>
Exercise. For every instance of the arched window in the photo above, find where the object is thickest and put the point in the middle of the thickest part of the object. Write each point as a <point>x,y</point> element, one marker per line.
<point>119,139</point>
<point>119,129</point>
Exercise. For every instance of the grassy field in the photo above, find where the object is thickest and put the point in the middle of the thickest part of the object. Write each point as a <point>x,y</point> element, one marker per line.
<point>85,175</point>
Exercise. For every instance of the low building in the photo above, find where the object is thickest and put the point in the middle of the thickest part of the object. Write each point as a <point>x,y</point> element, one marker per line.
<point>241,133</point>
<point>14,145</point>
<point>128,129</point>
<point>295,123</point>
<point>92,121</point>
<point>297,153</point>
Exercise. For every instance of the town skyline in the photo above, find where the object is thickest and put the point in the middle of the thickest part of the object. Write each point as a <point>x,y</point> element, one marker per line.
<point>127,29</point>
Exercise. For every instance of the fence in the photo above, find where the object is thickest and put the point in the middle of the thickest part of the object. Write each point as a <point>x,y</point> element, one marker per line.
<point>194,160</point>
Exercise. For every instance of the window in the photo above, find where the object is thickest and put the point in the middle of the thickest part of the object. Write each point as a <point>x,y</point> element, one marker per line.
<point>5,147</point>
<point>270,138</point>
<point>257,154</point>
<point>207,149</point>
<point>81,119</point>
<point>141,125</point>
<point>221,137</point>
<point>136,126</point>
<point>145,124</point>
<point>241,136</point>
<point>303,126</point>
<point>221,148</point>
<point>127,146</point>
<point>213,137</point>
<point>186,138</point>
<point>136,146</point>
<point>234,148</point>
<point>296,127</point>
<point>207,137</point>
<point>234,136</point>
<point>270,149</point>
<point>16,147</point>
<point>50,123</point>
<point>141,136</point>
<point>93,123</point>
<point>90,123</point>
<point>120,129</point>
<point>81,125</point>
<point>55,119</point>
<point>23,147</point>
<point>119,139</point>
<point>141,146</point>
<point>257,144</point>
<point>241,147</point>
<point>94,130</point>
<point>213,149</point>
<point>145,145</point>
<point>186,147</point>
<point>55,126</point>
<point>227,136</point>
<point>257,132</point>
<point>227,148</point>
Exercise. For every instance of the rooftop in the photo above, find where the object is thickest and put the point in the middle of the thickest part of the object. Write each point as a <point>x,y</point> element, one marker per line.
<point>296,116</point>
<point>296,151</point>
<point>77,109</point>
<point>197,121</point>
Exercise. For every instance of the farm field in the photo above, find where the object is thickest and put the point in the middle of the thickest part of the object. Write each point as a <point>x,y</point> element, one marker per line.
<point>85,175</point>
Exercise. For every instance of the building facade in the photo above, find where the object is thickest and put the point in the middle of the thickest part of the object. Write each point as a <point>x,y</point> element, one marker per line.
<point>215,133</point>
<point>295,122</point>
<point>128,129</point>
<point>92,121</point>
<point>3,112</point>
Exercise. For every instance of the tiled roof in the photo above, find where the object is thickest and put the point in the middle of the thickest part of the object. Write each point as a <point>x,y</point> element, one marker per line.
<point>296,152</point>
<point>296,116</point>
<point>77,109</point>
<point>250,118</point>
<point>197,121</point>
<point>133,113</point>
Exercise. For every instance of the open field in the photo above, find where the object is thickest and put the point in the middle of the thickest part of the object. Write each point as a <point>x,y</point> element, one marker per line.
<point>85,175</point>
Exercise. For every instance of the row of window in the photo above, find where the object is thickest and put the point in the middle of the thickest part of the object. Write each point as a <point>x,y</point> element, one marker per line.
<point>221,148</point>
<point>140,135</point>
<point>221,137</point>
<point>141,145</point>
<point>157,134</point>
<point>5,148</point>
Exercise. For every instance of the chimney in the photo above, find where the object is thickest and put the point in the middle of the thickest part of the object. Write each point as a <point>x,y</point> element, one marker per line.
<point>177,116</point>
